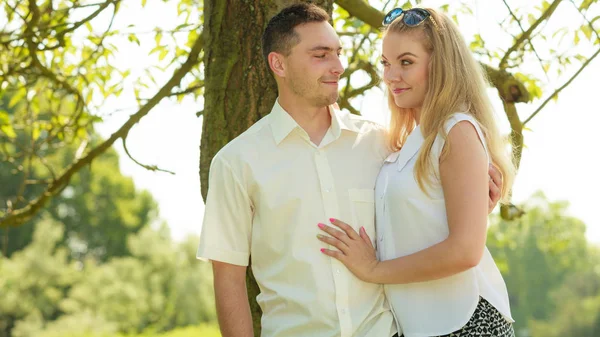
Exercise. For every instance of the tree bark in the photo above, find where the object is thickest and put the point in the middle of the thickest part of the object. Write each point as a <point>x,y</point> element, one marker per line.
<point>239,88</point>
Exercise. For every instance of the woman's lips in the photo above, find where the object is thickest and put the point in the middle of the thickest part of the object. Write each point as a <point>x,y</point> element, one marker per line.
<point>400,90</point>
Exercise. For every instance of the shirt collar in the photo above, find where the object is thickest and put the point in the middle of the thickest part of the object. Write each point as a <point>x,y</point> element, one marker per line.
<point>409,149</point>
<point>282,124</point>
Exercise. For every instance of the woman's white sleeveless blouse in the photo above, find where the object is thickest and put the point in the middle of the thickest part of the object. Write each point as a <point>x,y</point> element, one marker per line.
<point>407,221</point>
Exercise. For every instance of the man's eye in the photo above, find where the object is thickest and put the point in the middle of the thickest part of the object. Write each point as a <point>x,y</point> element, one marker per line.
<point>320,56</point>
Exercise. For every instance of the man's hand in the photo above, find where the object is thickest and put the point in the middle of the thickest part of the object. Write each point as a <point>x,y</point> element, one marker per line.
<point>495,187</point>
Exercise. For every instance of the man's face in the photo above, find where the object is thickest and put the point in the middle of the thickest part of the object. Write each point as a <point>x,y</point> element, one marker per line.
<point>313,68</point>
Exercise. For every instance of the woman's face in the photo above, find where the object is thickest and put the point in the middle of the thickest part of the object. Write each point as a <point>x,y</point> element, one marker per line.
<point>405,68</point>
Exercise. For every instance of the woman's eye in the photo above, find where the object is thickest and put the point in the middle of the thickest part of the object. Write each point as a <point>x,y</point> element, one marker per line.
<point>385,63</point>
<point>405,62</point>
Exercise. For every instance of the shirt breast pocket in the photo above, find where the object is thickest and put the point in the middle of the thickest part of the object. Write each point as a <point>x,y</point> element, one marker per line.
<point>362,206</point>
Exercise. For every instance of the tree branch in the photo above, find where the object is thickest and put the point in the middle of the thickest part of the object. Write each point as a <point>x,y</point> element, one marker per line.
<point>555,93</point>
<point>147,167</point>
<point>78,24</point>
<point>529,39</point>
<point>590,23</point>
<point>188,90</point>
<point>527,34</point>
<point>363,11</point>
<point>375,80</point>
<point>19,216</point>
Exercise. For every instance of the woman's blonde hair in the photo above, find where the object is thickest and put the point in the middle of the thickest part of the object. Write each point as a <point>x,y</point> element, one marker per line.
<point>456,83</point>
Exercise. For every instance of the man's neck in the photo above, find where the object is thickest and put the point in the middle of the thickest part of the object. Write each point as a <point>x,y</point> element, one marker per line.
<point>314,120</point>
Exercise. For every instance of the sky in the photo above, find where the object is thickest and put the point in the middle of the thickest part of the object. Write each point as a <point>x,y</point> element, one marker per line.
<point>560,157</point>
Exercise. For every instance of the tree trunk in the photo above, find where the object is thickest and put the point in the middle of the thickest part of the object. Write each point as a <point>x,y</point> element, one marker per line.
<point>239,89</point>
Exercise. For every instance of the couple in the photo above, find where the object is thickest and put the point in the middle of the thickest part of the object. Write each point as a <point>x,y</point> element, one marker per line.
<point>419,192</point>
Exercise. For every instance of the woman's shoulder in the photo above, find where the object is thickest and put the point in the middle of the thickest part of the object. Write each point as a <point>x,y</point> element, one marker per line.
<point>464,124</point>
<point>458,117</point>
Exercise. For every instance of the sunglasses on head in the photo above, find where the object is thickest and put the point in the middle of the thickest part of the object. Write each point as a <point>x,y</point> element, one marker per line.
<point>412,17</point>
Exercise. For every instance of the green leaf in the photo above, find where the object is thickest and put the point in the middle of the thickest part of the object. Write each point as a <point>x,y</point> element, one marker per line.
<point>155,49</point>
<point>562,31</point>
<point>88,25</point>
<point>163,54</point>
<point>35,134</point>
<point>143,3</point>
<point>587,31</point>
<point>81,133</point>
<point>585,4</point>
<point>580,58</point>
<point>17,98</point>
<point>576,38</point>
<point>9,131</point>
<point>4,118</point>
<point>546,67</point>
<point>545,5</point>
<point>158,37</point>
<point>183,25</point>
<point>192,37</point>
<point>477,43</point>
<point>133,38</point>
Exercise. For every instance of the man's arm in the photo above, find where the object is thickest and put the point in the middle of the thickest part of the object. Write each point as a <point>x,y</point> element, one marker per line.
<point>231,296</point>
<point>225,240</point>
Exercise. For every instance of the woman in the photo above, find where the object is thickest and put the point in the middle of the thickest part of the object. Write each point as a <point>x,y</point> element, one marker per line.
<point>432,193</point>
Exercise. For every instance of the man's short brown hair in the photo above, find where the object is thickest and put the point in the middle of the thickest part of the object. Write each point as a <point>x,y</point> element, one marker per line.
<point>280,37</point>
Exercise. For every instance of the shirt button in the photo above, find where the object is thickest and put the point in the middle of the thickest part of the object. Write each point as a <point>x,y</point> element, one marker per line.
<point>381,239</point>
<point>327,190</point>
<point>337,271</point>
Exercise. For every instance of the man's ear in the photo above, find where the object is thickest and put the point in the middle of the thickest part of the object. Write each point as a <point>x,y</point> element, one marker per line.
<point>276,63</point>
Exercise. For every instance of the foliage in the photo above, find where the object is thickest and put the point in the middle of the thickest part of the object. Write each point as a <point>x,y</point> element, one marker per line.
<point>160,287</point>
<point>537,255</point>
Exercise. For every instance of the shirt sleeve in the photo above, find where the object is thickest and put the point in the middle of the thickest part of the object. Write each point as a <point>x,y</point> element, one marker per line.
<point>459,117</point>
<point>227,226</point>
<point>440,141</point>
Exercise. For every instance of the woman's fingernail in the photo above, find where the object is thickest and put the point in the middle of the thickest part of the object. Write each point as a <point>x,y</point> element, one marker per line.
<point>331,220</point>
<point>362,228</point>
<point>321,225</point>
<point>322,250</point>
<point>319,236</point>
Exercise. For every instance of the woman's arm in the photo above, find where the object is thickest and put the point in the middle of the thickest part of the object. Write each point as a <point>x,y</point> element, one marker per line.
<point>465,181</point>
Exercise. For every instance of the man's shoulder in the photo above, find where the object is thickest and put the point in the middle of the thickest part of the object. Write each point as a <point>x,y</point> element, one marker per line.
<point>363,124</point>
<point>244,142</point>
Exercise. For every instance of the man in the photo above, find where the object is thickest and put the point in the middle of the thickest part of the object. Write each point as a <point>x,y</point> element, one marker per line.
<point>269,188</point>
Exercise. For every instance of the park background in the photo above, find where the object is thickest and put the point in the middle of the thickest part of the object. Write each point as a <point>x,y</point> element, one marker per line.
<point>98,237</point>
